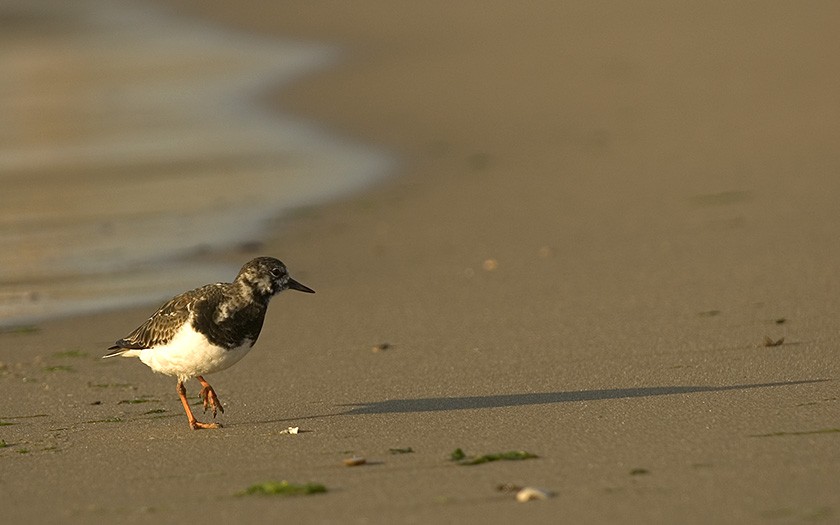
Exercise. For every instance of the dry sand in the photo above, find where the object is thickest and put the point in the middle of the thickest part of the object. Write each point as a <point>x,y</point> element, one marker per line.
<point>655,190</point>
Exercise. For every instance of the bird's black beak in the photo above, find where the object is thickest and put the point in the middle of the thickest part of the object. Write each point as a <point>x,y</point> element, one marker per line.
<point>294,285</point>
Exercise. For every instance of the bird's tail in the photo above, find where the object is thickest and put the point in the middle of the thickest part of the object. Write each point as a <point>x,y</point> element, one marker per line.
<point>120,351</point>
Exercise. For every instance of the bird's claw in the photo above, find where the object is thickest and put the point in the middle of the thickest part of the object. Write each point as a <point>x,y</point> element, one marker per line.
<point>198,425</point>
<point>211,400</point>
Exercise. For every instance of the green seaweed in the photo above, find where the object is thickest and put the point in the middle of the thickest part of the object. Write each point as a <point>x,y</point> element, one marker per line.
<point>137,401</point>
<point>461,458</point>
<point>21,329</point>
<point>111,385</point>
<point>283,488</point>
<point>154,411</point>
<point>59,368</point>
<point>106,420</point>
<point>6,423</point>
<point>71,353</point>
<point>819,514</point>
<point>3,443</point>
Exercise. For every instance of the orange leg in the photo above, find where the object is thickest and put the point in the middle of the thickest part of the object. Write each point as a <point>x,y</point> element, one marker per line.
<point>208,395</point>
<point>195,425</point>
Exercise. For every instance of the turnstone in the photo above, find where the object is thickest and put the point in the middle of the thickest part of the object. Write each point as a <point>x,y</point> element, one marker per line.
<point>208,329</point>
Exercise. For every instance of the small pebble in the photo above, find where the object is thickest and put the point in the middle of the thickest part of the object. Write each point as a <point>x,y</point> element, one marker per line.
<point>355,461</point>
<point>773,342</point>
<point>380,347</point>
<point>490,264</point>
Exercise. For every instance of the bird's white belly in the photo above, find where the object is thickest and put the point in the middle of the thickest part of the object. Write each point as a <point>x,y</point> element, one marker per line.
<point>190,354</point>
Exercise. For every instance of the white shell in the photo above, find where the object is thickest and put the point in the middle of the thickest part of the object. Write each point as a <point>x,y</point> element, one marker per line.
<point>529,493</point>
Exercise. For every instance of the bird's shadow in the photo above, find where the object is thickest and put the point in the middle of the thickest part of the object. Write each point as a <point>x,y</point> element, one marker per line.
<point>441,404</point>
<point>436,404</point>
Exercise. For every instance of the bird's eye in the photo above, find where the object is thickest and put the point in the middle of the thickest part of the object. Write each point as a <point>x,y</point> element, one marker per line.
<point>276,272</point>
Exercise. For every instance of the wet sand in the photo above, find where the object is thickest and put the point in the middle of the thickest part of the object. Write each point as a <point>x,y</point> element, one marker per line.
<point>600,216</point>
<point>134,146</point>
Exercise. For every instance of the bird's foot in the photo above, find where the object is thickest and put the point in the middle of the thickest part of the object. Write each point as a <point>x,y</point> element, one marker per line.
<point>198,425</point>
<point>182,394</point>
<point>211,400</point>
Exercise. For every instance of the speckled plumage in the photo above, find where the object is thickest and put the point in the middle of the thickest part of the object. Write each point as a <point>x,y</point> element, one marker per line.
<point>210,328</point>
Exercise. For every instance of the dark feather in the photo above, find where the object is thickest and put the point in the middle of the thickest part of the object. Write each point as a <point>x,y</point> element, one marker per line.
<point>163,324</point>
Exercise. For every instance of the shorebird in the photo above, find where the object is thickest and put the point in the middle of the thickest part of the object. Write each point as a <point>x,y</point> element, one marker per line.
<point>208,329</point>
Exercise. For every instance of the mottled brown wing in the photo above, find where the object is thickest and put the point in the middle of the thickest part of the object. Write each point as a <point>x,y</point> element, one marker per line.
<point>163,324</point>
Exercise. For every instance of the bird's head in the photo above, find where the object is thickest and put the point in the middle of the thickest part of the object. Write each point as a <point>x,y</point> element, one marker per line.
<point>267,276</point>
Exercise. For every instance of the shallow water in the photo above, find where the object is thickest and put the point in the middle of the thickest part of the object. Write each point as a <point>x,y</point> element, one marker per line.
<point>132,140</point>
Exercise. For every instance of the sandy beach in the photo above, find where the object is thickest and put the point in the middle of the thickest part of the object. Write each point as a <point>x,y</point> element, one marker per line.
<point>611,242</point>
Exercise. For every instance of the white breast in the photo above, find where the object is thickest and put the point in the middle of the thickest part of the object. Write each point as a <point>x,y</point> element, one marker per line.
<point>190,354</point>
